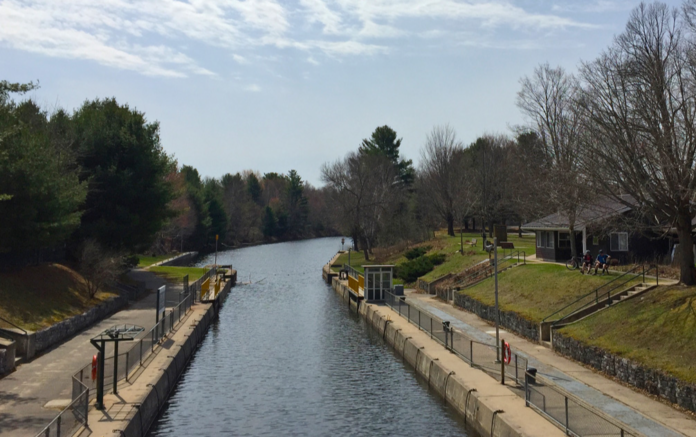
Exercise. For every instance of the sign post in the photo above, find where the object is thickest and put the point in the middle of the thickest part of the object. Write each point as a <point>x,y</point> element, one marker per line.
<point>161,305</point>
<point>216,241</point>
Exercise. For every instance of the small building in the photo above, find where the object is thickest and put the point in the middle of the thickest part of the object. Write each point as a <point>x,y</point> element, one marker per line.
<point>553,239</point>
<point>378,279</point>
<point>371,285</point>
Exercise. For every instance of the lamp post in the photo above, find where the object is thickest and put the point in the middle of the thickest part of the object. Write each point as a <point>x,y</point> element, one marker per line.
<point>497,310</point>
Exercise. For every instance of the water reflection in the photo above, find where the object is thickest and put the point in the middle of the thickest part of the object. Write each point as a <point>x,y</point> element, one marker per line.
<point>287,358</point>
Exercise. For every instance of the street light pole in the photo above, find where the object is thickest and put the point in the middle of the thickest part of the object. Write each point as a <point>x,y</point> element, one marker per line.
<point>497,310</point>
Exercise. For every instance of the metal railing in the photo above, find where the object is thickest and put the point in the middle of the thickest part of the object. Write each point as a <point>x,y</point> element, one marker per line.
<point>195,287</point>
<point>71,417</point>
<point>568,412</point>
<point>351,271</point>
<point>513,259</point>
<point>2,320</point>
<point>603,292</point>
<point>481,355</point>
<point>564,410</point>
<point>139,352</point>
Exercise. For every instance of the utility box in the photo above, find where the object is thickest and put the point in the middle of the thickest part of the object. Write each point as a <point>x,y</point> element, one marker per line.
<point>399,290</point>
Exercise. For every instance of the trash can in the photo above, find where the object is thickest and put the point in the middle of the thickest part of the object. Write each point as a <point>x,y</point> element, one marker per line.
<point>531,375</point>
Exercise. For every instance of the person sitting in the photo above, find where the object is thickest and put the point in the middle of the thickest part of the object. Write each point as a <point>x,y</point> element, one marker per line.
<point>586,262</point>
<point>602,261</point>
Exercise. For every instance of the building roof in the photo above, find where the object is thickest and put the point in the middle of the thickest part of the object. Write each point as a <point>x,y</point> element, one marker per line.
<point>601,209</point>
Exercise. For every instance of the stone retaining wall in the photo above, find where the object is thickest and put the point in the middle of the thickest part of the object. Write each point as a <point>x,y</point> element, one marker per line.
<point>51,336</point>
<point>508,319</point>
<point>653,381</point>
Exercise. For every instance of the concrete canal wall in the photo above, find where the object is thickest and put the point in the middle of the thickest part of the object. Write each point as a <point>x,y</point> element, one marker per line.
<point>141,401</point>
<point>489,407</point>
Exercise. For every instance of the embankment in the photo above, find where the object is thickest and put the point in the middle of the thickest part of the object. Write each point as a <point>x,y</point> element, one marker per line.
<point>141,401</point>
<point>489,407</point>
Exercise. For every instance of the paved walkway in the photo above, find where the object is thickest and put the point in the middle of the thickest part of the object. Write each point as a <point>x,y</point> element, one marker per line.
<point>24,393</point>
<point>652,418</point>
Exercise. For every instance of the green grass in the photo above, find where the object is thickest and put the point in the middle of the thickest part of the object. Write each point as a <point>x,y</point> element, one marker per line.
<point>442,243</point>
<point>536,290</point>
<point>37,297</point>
<point>657,329</point>
<point>176,274</point>
<point>146,261</point>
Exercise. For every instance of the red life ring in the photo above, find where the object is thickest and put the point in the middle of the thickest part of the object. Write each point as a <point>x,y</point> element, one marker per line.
<point>94,367</point>
<point>507,353</point>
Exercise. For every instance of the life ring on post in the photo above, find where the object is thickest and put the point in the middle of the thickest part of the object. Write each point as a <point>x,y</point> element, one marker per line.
<point>94,367</point>
<point>507,353</point>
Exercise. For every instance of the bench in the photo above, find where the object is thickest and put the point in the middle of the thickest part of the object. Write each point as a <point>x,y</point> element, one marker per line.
<point>473,242</point>
<point>506,245</point>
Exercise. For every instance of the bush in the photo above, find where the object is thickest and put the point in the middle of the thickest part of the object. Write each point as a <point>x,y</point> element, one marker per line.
<point>437,258</point>
<point>417,252</point>
<point>409,271</point>
<point>130,262</point>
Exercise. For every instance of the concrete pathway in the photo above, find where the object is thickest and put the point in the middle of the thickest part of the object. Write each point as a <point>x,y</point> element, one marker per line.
<point>639,411</point>
<point>24,393</point>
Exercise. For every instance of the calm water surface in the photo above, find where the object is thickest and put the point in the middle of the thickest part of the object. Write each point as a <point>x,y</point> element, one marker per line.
<point>287,358</point>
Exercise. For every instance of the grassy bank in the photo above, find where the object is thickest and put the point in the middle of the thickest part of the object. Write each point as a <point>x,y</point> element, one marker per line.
<point>176,274</point>
<point>444,244</point>
<point>146,261</point>
<point>657,330</point>
<point>536,290</point>
<point>37,297</point>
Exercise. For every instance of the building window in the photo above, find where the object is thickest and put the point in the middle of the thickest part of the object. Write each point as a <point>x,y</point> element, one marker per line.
<point>545,239</point>
<point>595,241</point>
<point>563,240</point>
<point>619,242</point>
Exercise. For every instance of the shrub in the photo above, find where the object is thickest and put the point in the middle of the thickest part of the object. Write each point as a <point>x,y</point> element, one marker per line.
<point>417,252</point>
<point>409,271</point>
<point>437,258</point>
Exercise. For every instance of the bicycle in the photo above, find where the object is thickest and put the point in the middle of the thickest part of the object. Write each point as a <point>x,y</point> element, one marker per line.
<point>574,263</point>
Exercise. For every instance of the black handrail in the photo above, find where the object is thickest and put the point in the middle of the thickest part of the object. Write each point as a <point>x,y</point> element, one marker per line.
<point>595,292</point>
<point>512,256</point>
<point>607,295</point>
<point>18,327</point>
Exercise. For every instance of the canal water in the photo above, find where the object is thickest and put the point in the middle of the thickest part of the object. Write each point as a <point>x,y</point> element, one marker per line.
<point>286,357</point>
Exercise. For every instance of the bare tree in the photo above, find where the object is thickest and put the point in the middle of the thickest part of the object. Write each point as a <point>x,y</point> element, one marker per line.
<point>364,187</point>
<point>97,267</point>
<point>639,118</point>
<point>443,175</point>
<point>548,99</point>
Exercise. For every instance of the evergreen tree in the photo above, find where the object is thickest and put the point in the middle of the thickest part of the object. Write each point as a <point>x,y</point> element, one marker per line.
<point>269,223</point>
<point>384,142</point>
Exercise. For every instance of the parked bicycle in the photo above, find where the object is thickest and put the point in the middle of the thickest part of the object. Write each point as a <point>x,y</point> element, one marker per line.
<point>574,263</point>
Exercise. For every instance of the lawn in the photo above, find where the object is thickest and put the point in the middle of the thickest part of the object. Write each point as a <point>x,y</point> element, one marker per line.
<point>146,261</point>
<point>176,274</point>
<point>38,297</point>
<point>536,290</point>
<point>657,329</point>
<point>442,243</point>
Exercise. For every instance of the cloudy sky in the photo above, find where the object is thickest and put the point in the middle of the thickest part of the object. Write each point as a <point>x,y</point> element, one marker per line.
<point>275,85</point>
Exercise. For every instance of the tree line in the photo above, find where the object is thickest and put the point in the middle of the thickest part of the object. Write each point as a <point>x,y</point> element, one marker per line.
<point>98,180</point>
<point>624,124</point>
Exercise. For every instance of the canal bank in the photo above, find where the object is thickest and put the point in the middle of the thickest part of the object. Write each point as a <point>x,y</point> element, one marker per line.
<point>135,408</point>
<point>489,407</point>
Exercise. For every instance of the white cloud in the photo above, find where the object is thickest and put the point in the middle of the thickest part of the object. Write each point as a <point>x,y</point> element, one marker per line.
<point>140,35</point>
<point>252,88</point>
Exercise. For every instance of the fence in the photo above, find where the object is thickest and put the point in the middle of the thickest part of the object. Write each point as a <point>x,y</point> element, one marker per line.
<point>478,354</point>
<point>140,351</point>
<point>567,412</point>
<point>195,288</point>
<point>71,417</point>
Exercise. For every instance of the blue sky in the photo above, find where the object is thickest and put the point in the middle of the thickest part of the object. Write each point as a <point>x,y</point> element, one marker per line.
<point>275,85</point>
